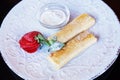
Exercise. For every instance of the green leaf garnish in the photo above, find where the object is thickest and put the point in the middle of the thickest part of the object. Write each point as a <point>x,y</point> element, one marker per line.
<point>42,40</point>
<point>53,44</point>
<point>51,41</point>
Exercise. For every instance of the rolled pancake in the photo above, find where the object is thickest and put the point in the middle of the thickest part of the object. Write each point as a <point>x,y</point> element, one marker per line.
<point>79,24</point>
<point>72,49</point>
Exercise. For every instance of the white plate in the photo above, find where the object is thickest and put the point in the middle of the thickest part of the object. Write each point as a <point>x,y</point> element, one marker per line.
<point>90,64</point>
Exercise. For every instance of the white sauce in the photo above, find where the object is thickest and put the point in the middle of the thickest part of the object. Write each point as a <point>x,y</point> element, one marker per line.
<point>53,17</point>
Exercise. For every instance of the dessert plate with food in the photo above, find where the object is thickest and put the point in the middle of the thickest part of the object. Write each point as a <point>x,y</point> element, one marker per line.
<point>59,39</point>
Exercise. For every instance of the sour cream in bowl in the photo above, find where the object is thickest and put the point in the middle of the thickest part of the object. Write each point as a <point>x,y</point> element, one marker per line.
<point>53,15</point>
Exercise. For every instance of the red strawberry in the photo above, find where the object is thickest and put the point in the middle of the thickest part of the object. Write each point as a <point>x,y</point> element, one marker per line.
<point>28,41</point>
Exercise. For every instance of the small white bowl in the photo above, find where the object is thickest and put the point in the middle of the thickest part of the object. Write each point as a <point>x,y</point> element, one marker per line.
<point>54,7</point>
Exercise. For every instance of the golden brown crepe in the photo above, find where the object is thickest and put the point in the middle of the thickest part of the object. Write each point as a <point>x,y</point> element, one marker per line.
<point>79,24</point>
<point>72,48</point>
